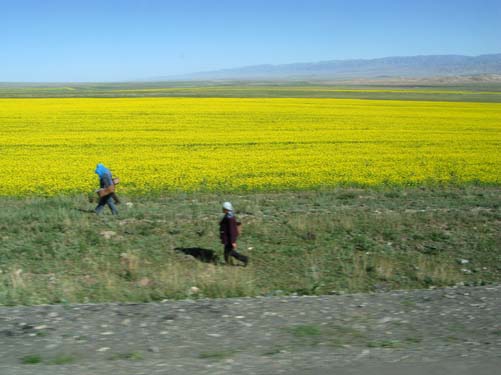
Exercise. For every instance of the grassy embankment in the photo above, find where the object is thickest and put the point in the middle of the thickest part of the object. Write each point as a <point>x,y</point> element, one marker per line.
<point>53,250</point>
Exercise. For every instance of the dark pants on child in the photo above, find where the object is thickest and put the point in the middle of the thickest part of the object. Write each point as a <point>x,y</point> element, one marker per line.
<point>230,251</point>
<point>106,200</point>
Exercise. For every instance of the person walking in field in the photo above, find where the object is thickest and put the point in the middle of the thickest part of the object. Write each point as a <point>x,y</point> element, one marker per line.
<point>228,230</point>
<point>106,184</point>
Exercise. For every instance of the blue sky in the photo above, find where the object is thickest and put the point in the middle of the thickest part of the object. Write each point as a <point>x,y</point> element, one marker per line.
<point>112,40</point>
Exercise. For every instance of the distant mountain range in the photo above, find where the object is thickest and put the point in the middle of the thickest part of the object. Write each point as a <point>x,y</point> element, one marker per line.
<point>387,67</point>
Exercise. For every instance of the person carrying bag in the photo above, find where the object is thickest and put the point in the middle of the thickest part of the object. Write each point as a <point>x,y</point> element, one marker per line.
<point>107,189</point>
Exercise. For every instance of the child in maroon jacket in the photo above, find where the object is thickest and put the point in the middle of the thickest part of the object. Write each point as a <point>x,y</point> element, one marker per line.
<point>228,230</point>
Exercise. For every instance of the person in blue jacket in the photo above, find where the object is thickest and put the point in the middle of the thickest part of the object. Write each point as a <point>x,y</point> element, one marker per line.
<point>105,181</point>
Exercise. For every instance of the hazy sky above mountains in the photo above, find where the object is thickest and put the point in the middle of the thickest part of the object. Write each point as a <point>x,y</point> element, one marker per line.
<point>106,40</point>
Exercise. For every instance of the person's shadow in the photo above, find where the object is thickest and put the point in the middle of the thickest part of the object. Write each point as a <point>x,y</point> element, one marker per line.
<point>203,255</point>
<point>88,211</point>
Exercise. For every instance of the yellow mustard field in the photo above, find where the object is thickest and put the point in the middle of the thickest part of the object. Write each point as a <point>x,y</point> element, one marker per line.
<point>51,146</point>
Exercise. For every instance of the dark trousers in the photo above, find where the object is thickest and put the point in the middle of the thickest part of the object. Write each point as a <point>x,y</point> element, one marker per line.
<point>115,198</point>
<point>230,251</point>
<point>106,200</point>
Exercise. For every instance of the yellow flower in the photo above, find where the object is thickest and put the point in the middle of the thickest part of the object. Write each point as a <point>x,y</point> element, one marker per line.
<point>51,146</point>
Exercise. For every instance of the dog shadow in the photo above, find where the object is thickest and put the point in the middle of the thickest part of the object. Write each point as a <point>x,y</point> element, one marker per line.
<point>203,255</point>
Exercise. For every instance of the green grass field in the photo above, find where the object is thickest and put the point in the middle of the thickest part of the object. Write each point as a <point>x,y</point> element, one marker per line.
<point>469,92</point>
<point>55,250</point>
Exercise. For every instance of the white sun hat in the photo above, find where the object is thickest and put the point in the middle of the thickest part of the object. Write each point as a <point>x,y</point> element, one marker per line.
<point>228,206</point>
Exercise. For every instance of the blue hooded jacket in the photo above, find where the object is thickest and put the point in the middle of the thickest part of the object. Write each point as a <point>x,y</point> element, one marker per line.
<point>104,174</point>
<point>101,170</point>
